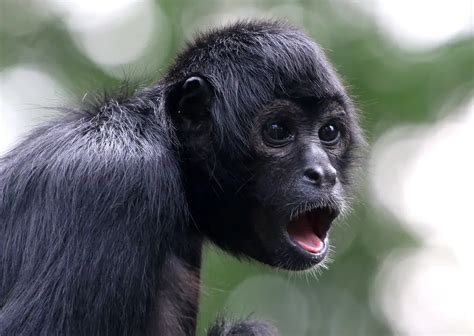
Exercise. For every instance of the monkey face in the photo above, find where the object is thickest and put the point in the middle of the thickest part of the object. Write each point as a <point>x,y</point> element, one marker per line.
<point>300,179</point>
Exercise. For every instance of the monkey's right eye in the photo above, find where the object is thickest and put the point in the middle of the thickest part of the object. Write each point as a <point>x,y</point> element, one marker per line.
<point>276,134</point>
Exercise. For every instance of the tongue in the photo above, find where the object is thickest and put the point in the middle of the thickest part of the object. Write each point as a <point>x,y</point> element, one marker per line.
<point>303,234</point>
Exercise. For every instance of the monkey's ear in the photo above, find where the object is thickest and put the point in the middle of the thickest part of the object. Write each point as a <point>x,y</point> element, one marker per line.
<point>194,98</point>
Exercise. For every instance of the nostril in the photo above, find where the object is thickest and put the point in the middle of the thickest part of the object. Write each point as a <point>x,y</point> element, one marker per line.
<point>319,176</point>
<point>314,175</point>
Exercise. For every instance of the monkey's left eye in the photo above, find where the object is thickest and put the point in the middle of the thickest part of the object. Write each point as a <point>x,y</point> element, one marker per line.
<point>329,133</point>
<point>277,134</point>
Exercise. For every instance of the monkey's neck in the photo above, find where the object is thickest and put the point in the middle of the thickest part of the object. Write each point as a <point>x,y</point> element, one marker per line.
<point>177,300</point>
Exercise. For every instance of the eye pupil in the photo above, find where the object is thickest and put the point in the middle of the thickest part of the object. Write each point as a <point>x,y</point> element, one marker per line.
<point>329,133</point>
<point>276,134</point>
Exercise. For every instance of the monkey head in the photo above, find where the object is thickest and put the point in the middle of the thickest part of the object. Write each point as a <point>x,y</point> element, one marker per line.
<point>269,138</point>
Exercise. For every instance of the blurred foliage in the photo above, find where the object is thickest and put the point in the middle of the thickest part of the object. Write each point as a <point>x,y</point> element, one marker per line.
<point>390,85</point>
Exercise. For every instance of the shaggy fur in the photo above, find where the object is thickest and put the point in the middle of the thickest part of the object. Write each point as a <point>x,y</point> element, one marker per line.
<point>103,212</point>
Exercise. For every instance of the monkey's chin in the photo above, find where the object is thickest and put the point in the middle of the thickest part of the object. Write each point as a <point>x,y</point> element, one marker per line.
<point>290,256</point>
<point>294,257</point>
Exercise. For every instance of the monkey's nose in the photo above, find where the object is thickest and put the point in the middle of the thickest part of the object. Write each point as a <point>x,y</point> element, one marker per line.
<point>321,176</point>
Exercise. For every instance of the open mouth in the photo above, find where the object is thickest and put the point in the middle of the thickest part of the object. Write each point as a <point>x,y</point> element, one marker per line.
<point>310,229</point>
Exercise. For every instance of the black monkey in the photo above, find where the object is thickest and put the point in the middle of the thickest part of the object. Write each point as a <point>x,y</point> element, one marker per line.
<point>249,141</point>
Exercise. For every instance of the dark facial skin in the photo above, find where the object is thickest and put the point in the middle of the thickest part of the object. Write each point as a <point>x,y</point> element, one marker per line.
<point>296,175</point>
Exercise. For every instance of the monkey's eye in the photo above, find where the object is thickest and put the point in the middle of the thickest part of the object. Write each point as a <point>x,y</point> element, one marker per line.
<point>329,133</point>
<point>277,134</point>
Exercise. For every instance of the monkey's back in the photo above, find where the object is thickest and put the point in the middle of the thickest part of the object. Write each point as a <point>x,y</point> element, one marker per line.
<point>87,202</point>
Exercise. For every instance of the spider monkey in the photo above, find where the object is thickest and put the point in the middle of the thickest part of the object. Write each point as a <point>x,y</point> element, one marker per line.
<point>249,141</point>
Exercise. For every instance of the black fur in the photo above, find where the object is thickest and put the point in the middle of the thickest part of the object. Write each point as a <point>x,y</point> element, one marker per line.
<point>247,327</point>
<point>103,212</point>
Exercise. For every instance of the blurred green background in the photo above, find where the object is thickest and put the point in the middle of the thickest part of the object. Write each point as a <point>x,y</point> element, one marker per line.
<point>402,261</point>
